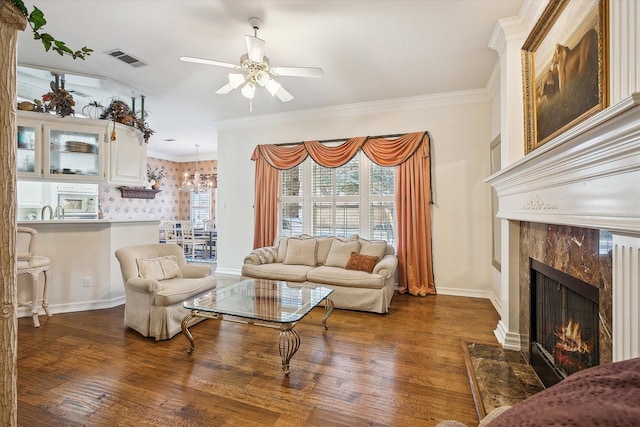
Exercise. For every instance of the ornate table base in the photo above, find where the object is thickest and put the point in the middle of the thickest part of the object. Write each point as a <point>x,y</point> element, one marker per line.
<point>289,338</point>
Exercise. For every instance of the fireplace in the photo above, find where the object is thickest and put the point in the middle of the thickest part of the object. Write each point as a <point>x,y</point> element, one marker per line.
<point>564,324</point>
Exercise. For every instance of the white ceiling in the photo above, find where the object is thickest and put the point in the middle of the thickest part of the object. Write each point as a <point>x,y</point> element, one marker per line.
<point>369,51</point>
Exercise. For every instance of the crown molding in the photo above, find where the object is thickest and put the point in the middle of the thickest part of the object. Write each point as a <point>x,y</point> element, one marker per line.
<point>202,157</point>
<point>361,109</point>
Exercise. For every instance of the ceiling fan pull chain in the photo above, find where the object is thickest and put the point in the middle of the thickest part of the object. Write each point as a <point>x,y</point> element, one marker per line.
<point>251,105</point>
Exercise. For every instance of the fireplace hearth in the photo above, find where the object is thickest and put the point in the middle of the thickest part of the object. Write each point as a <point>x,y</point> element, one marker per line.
<point>564,324</point>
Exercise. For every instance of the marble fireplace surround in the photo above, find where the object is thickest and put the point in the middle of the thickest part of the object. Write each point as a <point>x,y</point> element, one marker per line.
<point>559,201</point>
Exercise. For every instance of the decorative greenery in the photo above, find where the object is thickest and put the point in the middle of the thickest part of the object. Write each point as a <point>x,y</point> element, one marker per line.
<point>58,100</point>
<point>119,112</point>
<point>156,174</point>
<point>37,22</point>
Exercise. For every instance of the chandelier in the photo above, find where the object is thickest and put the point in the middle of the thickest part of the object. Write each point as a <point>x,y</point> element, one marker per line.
<point>198,183</point>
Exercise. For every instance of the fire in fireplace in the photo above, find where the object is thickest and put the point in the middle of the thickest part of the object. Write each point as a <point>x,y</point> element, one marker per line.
<point>564,324</point>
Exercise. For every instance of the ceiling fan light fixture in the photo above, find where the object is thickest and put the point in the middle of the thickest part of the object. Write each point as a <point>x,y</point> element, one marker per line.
<point>236,80</point>
<point>263,78</point>
<point>248,90</point>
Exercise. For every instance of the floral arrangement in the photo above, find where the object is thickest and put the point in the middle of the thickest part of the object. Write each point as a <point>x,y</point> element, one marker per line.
<point>119,112</point>
<point>156,174</point>
<point>58,100</point>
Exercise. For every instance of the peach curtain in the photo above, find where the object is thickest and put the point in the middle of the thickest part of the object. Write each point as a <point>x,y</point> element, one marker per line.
<point>410,153</point>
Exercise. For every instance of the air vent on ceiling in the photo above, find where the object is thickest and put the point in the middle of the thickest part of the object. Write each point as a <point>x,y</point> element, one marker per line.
<point>126,58</point>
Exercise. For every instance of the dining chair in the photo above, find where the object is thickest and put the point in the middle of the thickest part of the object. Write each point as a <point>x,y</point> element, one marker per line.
<point>189,238</point>
<point>170,233</point>
<point>27,262</point>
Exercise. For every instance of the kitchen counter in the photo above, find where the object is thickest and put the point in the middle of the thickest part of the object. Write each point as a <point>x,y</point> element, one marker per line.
<point>86,221</point>
<point>84,273</point>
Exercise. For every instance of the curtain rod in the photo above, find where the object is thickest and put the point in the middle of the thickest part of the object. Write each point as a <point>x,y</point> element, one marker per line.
<point>326,141</point>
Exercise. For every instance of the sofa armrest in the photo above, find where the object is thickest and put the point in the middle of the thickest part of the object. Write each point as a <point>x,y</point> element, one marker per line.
<point>191,271</point>
<point>140,284</point>
<point>265,255</point>
<point>252,258</point>
<point>386,266</point>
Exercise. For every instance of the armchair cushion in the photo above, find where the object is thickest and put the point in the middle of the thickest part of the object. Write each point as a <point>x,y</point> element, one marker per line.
<point>160,268</point>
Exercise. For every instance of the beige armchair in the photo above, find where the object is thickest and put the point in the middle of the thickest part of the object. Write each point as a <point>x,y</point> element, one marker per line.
<point>157,280</point>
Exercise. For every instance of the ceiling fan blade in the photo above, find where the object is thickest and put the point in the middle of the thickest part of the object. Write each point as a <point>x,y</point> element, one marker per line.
<point>225,89</point>
<point>255,48</point>
<point>208,62</point>
<point>283,95</point>
<point>312,72</point>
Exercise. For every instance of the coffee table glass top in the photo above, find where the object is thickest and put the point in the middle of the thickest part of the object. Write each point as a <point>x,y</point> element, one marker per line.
<point>260,299</point>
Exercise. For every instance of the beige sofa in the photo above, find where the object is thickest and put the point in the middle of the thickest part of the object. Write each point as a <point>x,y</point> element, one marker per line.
<point>157,280</point>
<point>361,272</point>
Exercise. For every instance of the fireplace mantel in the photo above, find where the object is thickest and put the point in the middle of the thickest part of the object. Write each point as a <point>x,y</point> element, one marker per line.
<point>587,177</point>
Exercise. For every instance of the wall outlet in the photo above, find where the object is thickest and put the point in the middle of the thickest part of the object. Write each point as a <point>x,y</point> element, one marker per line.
<point>87,282</point>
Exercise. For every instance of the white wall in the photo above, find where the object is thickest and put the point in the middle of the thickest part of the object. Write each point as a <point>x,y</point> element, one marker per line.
<point>460,127</point>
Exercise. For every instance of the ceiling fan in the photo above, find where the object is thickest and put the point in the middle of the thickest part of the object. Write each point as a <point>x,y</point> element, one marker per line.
<point>256,70</point>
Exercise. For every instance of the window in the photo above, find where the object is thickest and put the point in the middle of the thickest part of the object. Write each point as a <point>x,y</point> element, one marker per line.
<point>331,202</point>
<point>200,208</point>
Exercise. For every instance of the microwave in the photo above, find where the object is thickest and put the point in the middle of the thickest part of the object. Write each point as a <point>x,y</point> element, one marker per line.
<point>78,203</point>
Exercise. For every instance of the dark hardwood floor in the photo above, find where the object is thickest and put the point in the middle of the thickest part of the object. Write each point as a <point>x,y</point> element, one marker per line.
<point>405,368</point>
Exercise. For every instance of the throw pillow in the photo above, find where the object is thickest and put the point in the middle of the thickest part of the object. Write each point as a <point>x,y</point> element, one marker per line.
<point>340,252</point>
<point>266,255</point>
<point>373,248</point>
<point>362,262</point>
<point>301,252</point>
<point>161,268</point>
<point>324,246</point>
<point>282,249</point>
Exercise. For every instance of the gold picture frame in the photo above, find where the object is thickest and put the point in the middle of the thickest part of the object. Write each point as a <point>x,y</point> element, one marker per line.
<point>565,68</point>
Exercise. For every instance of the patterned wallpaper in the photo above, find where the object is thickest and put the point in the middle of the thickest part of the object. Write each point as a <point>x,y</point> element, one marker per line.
<point>170,203</point>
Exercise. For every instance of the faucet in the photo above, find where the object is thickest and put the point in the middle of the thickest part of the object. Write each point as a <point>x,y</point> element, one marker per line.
<point>61,212</point>
<point>44,209</point>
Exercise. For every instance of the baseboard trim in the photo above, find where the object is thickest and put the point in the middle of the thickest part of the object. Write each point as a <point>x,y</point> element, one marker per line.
<point>25,310</point>
<point>457,292</point>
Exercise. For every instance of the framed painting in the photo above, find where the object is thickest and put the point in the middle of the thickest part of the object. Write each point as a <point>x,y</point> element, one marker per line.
<point>565,68</point>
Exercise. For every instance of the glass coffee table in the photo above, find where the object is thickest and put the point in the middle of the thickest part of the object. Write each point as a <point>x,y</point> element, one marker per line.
<point>271,303</point>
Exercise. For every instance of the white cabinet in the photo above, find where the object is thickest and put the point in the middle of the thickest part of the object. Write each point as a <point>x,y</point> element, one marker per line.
<point>73,152</point>
<point>60,149</point>
<point>127,157</point>
<point>29,153</point>
<point>74,149</point>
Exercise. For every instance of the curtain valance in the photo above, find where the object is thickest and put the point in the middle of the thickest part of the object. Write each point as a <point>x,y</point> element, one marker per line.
<point>385,152</point>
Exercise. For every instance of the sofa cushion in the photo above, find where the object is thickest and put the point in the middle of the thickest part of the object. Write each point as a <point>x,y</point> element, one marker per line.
<point>161,268</point>
<point>341,277</point>
<point>277,271</point>
<point>374,248</point>
<point>301,252</point>
<point>281,244</point>
<point>341,252</point>
<point>178,290</point>
<point>324,246</point>
<point>362,262</point>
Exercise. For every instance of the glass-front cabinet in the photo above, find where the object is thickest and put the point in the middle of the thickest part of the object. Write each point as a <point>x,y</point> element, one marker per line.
<point>61,149</point>
<point>73,152</point>
<point>29,155</point>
